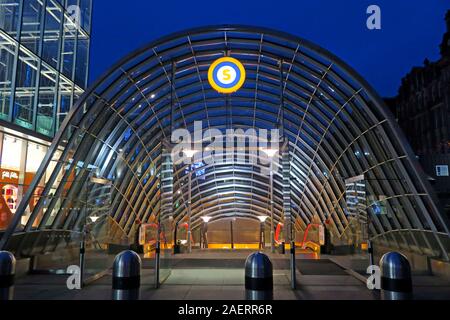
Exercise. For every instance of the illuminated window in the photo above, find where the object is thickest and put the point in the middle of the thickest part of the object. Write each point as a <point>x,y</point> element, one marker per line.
<point>12,153</point>
<point>35,155</point>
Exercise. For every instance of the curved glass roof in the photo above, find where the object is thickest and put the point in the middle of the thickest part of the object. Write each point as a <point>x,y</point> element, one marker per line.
<point>335,124</point>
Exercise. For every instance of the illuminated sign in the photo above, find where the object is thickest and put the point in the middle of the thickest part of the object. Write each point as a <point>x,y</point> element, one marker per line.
<point>226,75</point>
<point>9,175</point>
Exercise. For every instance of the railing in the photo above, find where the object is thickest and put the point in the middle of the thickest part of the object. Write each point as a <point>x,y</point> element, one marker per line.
<point>433,244</point>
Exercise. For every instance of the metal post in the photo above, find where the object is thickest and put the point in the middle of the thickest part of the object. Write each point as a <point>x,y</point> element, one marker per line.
<point>126,276</point>
<point>396,282</point>
<point>370,249</point>
<point>258,277</point>
<point>82,256</point>
<point>262,239</point>
<point>204,232</point>
<point>176,246</point>
<point>157,259</point>
<point>83,233</point>
<point>272,231</point>
<point>293,267</point>
<point>7,274</point>
<point>189,211</point>
<point>232,234</point>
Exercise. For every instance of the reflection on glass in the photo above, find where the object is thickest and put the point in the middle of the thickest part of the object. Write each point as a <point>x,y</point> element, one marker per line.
<point>9,16</point>
<point>25,90</point>
<point>31,24</point>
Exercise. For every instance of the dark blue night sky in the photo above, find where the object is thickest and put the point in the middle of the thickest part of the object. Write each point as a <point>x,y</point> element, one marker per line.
<point>411,29</point>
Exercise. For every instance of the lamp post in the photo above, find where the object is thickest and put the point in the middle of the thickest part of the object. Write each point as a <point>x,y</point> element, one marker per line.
<point>190,154</point>
<point>262,239</point>
<point>271,154</point>
<point>204,232</point>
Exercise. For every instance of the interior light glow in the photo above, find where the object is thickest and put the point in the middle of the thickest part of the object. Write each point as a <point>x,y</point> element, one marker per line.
<point>94,218</point>
<point>190,153</point>
<point>206,219</point>
<point>269,152</point>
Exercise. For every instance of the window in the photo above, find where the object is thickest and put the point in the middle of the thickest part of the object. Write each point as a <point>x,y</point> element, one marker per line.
<point>31,25</point>
<point>25,90</point>
<point>12,153</point>
<point>46,105</point>
<point>442,171</point>
<point>9,16</point>
<point>68,49</point>
<point>52,33</point>
<point>7,59</point>
<point>35,155</point>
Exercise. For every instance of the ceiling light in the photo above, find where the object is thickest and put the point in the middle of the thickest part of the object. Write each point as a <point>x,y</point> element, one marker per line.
<point>189,153</point>
<point>263,218</point>
<point>269,152</point>
<point>206,219</point>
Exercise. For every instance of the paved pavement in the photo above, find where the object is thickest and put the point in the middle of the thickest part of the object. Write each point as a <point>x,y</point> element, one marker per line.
<point>219,275</point>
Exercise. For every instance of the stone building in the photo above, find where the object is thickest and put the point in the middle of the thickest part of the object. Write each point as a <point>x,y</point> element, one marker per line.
<point>422,109</point>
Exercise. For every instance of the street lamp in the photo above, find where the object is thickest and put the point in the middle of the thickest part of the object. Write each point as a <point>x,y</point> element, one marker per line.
<point>271,152</point>
<point>203,232</point>
<point>262,241</point>
<point>190,153</point>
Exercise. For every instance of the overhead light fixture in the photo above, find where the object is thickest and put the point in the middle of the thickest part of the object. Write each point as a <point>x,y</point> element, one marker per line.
<point>153,96</point>
<point>263,218</point>
<point>190,153</point>
<point>206,219</point>
<point>269,152</point>
<point>94,218</point>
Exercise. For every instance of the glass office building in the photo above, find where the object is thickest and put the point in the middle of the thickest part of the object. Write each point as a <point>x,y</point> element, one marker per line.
<point>44,57</point>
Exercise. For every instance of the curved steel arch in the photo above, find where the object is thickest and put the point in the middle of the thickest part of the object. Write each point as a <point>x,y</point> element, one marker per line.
<point>336,125</point>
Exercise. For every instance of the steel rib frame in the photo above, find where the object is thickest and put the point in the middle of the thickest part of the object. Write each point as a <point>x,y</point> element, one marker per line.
<point>400,164</point>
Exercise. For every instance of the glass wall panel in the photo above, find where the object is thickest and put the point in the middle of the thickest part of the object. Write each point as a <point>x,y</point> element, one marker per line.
<point>64,101</point>
<point>9,16</point>
<point>25,90</point>
<point>82,61</point>
<point>45,121</point>
<point>7,59</point>
<point>68,48</point>
<point>52,33</point>
<point>86,14</point>
<point>31,25</point>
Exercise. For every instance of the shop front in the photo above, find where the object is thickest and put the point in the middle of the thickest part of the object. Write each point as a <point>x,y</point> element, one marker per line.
<point>20,158</point>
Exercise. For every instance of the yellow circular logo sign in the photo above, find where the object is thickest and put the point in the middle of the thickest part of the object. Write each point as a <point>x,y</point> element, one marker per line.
<point>226,75</point>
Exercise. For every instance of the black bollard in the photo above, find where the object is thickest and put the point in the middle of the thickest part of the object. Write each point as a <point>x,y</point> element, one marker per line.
<point>396,282</point>
<point>7,274</point>
<point>258,277</point>
<point>126,276</point>
<point>283,248</point>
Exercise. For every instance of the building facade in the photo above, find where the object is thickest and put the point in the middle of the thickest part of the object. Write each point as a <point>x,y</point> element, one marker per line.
<point>422,108</point>
<point>44,57</point>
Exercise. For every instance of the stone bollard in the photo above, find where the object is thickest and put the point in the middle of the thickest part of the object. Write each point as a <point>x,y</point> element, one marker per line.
<point>7,274</point>
<point>126,276</point>
<point>396,282</point>
<point>258,277</point>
